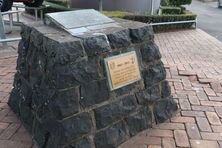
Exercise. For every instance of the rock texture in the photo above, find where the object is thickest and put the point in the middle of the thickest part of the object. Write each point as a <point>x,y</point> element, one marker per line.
<point>61,91</point>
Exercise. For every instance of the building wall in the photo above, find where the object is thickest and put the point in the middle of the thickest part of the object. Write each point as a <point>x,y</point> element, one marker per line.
<point>138,6</point>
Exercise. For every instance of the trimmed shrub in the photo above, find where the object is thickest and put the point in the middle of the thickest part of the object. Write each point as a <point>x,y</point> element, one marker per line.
<point>52,7</point>
<point>59,2</point>
<point>158,19</point>
<point>55,7</point>
<point>183,9</point>
<point>165,18</point>
<point>163,2</point>
<point>170,10</point>
<point>179,2</point>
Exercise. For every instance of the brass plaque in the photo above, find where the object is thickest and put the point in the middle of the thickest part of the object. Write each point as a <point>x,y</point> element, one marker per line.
<point>122,70</point>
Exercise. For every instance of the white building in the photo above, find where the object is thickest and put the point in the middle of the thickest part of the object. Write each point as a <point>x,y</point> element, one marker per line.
<point>137,6</point>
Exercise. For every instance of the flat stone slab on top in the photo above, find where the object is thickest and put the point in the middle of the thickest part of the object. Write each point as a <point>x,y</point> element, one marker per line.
<point>79,21</point>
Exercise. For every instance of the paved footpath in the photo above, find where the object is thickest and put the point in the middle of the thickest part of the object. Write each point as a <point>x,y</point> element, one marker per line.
<point>193,62</point>
<point>208,17</point>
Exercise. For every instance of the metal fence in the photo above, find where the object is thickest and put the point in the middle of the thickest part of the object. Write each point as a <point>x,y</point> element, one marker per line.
<point>10,13</point>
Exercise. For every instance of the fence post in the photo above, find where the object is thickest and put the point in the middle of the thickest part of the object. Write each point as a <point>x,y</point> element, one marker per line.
<point>100,5</point>
<point>2,29</point>
<point>152,3</point>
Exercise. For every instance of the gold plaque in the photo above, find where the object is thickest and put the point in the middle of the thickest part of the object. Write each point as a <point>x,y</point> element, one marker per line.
<point>122,70</point>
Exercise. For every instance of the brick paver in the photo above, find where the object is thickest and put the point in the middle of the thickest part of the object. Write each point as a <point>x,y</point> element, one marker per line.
<point>193,64</point>
<point>12,133</point>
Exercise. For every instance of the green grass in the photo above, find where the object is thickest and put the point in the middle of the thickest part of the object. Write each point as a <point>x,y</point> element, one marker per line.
<point>119,14</point>
<point>123,14</point>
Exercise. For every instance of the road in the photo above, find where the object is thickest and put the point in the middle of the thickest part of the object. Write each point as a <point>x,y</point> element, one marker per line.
<point>209,17</point>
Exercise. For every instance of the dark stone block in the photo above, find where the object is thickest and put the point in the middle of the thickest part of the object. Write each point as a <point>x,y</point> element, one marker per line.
<point>25,31</point>
<point>25,91</point>
<point>82,143</point>
<point>74,74</point>
<point>94,93</point>
<point>154,74</point>
<point>23,48</point>
<point>97,44</point>
<point>22,65</point>
<point>36,64</point>
<point>73,128</point>
<point>46,118</point>
<point>149,95</point>
<point>164,109</point>
<point>150,52</point>
<point>111,137</point>
<point>61,51</point>
<point>141,34</point>
<point>165,89</point>
<point>106,115</point>
<point>36,38</point>
<point>53,142</point>
<point>65,103</point>
<point>32,56</point>
<point>42,94</point>
<point>22,89</point>
<point>26,115</point>
<point>35,78</point>
<point>37,70</point>
<point>139,121</point>
<point>15,95</point>
<point>134,87</point>
<point>14,100</point>
<point>39,134</point>
<point>119,39</point>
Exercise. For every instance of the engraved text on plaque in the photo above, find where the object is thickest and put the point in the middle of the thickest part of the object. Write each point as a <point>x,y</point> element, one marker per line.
<point>122,70</point>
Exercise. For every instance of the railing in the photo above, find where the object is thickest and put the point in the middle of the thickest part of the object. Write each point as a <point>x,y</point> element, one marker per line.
<point>3,39</point>
<point>10,15</point>
<point>36,9</point>
<point>2,31</point>
<point>176,22</point>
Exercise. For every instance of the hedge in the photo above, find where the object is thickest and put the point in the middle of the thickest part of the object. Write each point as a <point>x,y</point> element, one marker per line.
<point>170,10</point>
<point>179,2</point>
<point>55,7</point>
<point>158,19</point>
<point>58,2</point>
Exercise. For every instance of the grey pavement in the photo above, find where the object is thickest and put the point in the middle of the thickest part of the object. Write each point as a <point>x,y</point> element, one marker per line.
<point>209,17</point>
<point>11,49</point>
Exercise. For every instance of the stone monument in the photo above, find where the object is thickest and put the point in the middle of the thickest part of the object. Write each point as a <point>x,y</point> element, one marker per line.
<point>89,81</point>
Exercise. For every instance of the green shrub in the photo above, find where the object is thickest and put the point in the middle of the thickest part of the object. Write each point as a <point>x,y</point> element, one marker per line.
<point>163,2</point>
<point>55,7</point>
<point>59,2</point>
<point>183,9</point>
<point>52,7</point>
<point>158,19</point>
<point>179,2</point>
<point>170,10</point>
